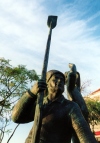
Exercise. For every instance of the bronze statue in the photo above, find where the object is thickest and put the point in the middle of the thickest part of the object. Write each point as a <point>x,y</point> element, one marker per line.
<point>72,81</point>
<point>59,115</point>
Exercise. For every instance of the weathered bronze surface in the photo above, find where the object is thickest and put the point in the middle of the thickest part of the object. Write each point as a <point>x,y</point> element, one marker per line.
<point>60,117</point>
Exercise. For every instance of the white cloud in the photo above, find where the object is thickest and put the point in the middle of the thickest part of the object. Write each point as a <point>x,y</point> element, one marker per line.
<point>24,33</point>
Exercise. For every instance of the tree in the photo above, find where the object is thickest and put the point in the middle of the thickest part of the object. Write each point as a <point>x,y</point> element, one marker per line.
<point>84,87</point>
<point>14,82</point>
<point>94,111</point>
<point>92,104</point>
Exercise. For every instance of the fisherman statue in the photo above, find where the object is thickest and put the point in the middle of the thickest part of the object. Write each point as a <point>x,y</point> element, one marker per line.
<point>55,118</point>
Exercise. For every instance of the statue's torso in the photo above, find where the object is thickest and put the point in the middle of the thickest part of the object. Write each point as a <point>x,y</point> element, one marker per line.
<point>56,122</point>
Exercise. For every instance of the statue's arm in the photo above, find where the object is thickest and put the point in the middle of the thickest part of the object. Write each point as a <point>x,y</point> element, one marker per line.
<point>71,82</point>
<point>80,126</point>
<point>73,89</point>
<point>23,111</point>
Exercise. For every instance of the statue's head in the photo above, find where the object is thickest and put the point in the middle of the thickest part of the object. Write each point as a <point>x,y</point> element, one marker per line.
<point>53,72</point>
<point>55,81</point>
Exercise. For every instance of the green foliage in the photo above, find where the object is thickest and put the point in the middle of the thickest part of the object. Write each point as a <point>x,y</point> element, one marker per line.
<point>94,110</point>
<point>14,81</point>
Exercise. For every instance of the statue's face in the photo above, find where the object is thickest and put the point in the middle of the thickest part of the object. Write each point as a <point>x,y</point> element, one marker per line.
<point>56,84</point>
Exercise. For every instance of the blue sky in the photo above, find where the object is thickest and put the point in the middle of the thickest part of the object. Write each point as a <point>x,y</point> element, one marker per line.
<point>76,38</point>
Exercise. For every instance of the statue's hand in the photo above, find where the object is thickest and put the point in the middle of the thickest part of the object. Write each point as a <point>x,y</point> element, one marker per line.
<point>66,76</point>
<point>38,87</point>
<point>72,67</point>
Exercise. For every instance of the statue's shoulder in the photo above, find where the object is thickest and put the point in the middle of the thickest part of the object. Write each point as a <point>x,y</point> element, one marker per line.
<point>69,103</point>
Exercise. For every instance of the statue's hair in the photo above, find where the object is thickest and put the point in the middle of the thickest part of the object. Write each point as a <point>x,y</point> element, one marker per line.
<point>51,73</point>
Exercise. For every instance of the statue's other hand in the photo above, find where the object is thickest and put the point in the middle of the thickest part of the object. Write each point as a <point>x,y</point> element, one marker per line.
<point>39,86</point>
<point>72,67</point>
<point>66,76</point>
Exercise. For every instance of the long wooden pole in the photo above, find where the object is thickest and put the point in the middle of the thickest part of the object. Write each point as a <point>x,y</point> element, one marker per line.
<point>38,110</point>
